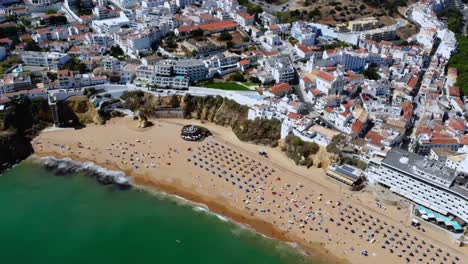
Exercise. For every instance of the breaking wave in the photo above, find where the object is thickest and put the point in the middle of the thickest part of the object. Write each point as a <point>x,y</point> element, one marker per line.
<point>67,166</point>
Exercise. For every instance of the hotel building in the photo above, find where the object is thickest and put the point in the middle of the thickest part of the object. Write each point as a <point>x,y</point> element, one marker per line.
<point>426,182</point>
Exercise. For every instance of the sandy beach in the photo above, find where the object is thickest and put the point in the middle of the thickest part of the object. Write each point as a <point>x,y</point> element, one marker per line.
<point>272,195</point>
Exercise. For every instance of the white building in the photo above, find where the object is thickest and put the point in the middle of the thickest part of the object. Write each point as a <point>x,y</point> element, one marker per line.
<point>109,26</point>
<point>268,19</point>
<point>329,83</point>
<point>175,82</point>
<point>111,64</point>
<point>53,60</point>
<point>280,68</point>
<point>191,68</point>
<point>304,33</point>
<point>423,181</point>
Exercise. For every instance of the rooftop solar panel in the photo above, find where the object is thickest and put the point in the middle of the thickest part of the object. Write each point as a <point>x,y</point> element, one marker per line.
<point>346,173</point>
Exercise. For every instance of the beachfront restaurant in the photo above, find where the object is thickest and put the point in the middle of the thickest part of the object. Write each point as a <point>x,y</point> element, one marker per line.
<point>347,174</point>
<point>193,133</point>
<point>449,223</point>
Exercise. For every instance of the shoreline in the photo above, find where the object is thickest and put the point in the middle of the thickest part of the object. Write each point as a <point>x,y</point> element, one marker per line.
<point>288,206</point>
<point>314,252</point>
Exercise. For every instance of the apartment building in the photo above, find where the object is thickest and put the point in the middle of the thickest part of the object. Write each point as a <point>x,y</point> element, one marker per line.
<point>379,34</point>
<point>14,82</point>
<point>109,26</point>
<point>144,73</point>
<point>366,23</point>
<point>111,64</point>
<point>268,19</point>
<point>423,181</point>
<point>280,68</point>
<point>69,79</point>
<point>304,33</point>
<point>176,82</point>
<point>53,60</point>
<point>191,68</point>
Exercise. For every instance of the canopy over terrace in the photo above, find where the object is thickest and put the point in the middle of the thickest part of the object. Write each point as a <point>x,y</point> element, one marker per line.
<point>429,214</point>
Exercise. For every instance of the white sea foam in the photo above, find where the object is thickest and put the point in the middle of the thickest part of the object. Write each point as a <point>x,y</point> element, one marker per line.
<point>67,165</point>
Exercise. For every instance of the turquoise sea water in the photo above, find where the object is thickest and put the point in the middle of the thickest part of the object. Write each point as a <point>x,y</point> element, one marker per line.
<point>72,219</point>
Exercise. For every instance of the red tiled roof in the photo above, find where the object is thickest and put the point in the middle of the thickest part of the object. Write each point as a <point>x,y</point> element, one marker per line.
<point>315,92</point>
<point>457,124</point>
<point>357,126</point>
<point>245,15</point>
<point>413,81</point>
<point>345,114</point>
<point>5,40</point>
<point>303,48</point>
<point>330,51</point>
<point>43,30</point>
<point>4,100</point>
<point>454,91</point>
<point>325,76</point>
<point>293,115</point>
<point>86,17</point>
<point>25,37</point>
<point>210,26</point>
<point>77,36</point>
<point>244,62</point>
<point>280,88</point>
<point>273,27</point>
<point>464,140</point>
<point>374,138</point>
<point>2,25</point>
<point>407,108</point>
<point>446,141</point>
<point>452,71</point>
<point>306,79</point>
<point>348,104</point>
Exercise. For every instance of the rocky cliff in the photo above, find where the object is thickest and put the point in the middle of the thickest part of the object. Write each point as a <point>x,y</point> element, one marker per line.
<point>13,148</point>
<point>216,109</point>
<point>79,110</point>
<point>24,119</point>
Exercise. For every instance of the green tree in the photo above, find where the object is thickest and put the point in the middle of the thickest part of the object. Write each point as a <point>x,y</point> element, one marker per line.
<point>58,20</point>
<point>197,33</point>
<point>371,73</point>
<point>75,65</point>
<point>116,51</point>
<point>237,77</point>
<point>225,36</point>
<point>31,45</point>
